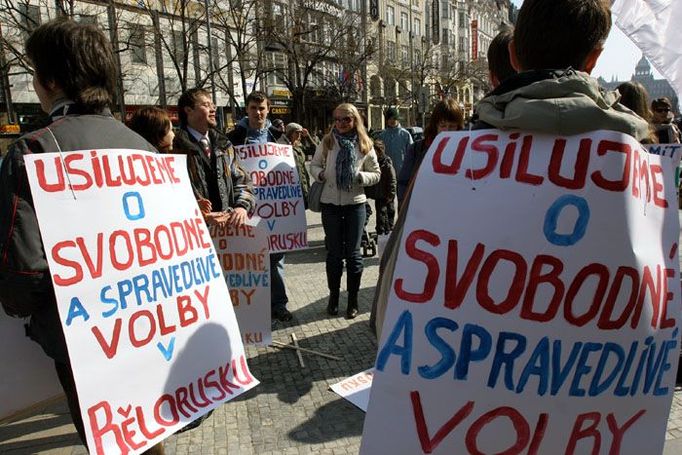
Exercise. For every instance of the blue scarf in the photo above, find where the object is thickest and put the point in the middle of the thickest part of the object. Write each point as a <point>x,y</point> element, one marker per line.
<point>345,159</point>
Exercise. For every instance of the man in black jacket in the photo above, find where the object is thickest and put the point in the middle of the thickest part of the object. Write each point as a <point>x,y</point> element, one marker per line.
<point>217,177</point>
<point>74,79</point>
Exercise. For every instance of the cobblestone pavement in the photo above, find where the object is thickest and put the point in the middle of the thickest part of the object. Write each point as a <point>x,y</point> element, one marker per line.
<point>292,411</point>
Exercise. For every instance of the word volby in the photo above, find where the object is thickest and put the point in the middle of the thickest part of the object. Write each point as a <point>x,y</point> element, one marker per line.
<point>143,333</point>
<point>530,274</point>
<point>101,170</point>
<point>591,428</point>
<point>133,427</point>
<point>502,161</point>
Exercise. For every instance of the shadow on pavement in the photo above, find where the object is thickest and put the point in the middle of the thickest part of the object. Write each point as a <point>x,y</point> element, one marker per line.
<point>329,423</point>
<point>45,424</point>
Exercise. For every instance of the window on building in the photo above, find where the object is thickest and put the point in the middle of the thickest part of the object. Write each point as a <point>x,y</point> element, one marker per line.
<point>404,22</point>
<point>445,9</point>
<point>389,88</point>
<point>417,27</point>
<point>445,35</point>
<point>178,46</point>
<point>417,57</point>
<point>405,54</point>
<point>278,63</point>
<point>215,50</point>
<point>278,16</point>
<point>462,19</point>
<point>462,44</point>
<point>444,64</point>
<point>390,51</point>
<point>390,15</point>
<point>30,17</point>
<point>137,44</point>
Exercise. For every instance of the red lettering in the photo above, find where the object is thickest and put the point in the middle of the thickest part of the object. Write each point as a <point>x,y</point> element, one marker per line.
<point>109,349</point>
<point>175,418</point>
<point>654,294</point>
<point>536,278</point>
<point>128,247</point>
<point>508,157</point>
<point>163,328</point>
<point>433,270</point>
<point>42,181</point>
<point>602,274</point>
<point>613,185</point>
<point>656,177</point>
<point>429,444</point>
<point>478,145</point>
<point>138,343</point>
<point>453,168</point>
<point>143,426</point>
<point>619,432</point>
<point>456,290</point>
<point>522,174</point>
<point>579,433</point>
<point>60,280</point>
<point>98,431</point>
<point>538,434</point>
<point>667,322</point>
<point>95,270</point>
<point>515,287</point>
<point>605,321</point>
<point>75,171</point>
<point>518,421</point>
<point>579,169</point>
<point>143,239</point>
<point>203,298</point>
<point>184,304</point>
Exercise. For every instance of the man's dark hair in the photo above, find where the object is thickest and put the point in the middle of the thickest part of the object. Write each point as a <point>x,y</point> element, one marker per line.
<point>189,99</point>
<point>78,59</point>
<point>257,97</point>
<point>499,63</point>
<point>557,34</point>
<point>151,123</point>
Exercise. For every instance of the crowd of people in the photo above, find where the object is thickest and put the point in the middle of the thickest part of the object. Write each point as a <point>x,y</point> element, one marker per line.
<point>539,71</point>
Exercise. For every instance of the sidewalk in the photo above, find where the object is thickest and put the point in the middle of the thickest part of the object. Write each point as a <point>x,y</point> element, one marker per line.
<point>291,411</point>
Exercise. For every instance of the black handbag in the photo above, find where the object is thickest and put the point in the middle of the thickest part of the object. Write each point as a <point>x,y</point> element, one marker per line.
<point>314,196</point>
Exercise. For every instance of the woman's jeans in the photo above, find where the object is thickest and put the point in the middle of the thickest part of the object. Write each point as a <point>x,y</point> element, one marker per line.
<point>343,226</point>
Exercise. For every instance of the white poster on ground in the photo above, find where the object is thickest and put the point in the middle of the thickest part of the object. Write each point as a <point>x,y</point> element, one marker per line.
<point>536,308</point>
<point>142,300</point>
<point>279,198</point>
<point>355,389</point>
<point>245,260</point>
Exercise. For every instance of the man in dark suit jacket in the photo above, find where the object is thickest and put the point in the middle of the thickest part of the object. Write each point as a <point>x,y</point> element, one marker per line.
<point>217,177</point>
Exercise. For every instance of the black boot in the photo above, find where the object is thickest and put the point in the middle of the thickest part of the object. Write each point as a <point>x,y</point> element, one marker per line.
<point>353,282</point>
<point>334,283</point>
<point>333,304</point>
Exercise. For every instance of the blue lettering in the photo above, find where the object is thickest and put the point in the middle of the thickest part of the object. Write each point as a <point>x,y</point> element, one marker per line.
<point>447,354</point>
<point>467,354</point>
<point>552,218</point>
<point>403,326</point>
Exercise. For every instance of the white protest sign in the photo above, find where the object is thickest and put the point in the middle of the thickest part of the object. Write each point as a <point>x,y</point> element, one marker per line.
<point>245,260</point>
<point>356,388</point>
<point>279,198</point>
<point>152,340</point>
<point>535,309</point>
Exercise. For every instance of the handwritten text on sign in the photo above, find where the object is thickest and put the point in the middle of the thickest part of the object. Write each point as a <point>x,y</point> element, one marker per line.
<point>278,193</point>
<point>141,296</point>
<point>244,258</point>
<point>537,309</point>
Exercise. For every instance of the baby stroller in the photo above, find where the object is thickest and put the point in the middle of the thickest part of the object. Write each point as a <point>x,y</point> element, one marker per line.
<point>369,239</point>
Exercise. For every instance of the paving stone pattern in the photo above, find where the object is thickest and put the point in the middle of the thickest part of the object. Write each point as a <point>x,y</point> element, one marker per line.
<point>292,411</point>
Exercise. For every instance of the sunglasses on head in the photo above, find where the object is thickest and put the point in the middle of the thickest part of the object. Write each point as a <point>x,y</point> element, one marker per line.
<point>343,119</point>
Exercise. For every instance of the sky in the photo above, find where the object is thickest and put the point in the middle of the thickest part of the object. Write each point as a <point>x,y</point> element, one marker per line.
<point>619,57</point>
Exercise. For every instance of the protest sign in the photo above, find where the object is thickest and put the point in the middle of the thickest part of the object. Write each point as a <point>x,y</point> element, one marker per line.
<point>535,309</point>
<point>355,389</point>
<point>152,341</point>
<point>279,198</point>
<point>245,260</point>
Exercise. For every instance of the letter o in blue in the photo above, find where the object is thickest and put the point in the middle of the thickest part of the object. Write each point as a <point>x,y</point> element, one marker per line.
<point>263,164</point>
<point>553,216</point>
<point>138,203</point>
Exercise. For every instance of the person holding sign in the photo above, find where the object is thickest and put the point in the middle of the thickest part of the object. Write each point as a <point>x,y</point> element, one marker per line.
<point>255,128</point>
<point>213,166</point>
<point>345,162</point>
<point>74,78</point>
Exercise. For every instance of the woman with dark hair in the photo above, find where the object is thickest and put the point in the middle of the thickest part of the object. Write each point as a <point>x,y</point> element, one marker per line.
<point>345,162</point>
<point>155,126</point>
<point>446,116</point>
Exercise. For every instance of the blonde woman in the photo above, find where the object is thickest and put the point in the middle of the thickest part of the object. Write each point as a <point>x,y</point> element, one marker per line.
<point>345,163</point>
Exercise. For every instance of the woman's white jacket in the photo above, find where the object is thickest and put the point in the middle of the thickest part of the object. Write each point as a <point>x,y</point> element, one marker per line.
<point>367,173</point>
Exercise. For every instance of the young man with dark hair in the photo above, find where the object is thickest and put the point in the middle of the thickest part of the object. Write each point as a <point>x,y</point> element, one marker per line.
<point>255,128</point>
<point>74,78</point>
<point>555,47</point>
<point>499,64</point>
<point>214,169</point>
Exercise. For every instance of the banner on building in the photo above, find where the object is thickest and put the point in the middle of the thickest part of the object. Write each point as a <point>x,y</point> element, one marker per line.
<point>536,308</point>
<point>245,260</point>
<point>152,338</point>
<point>279,197</point>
